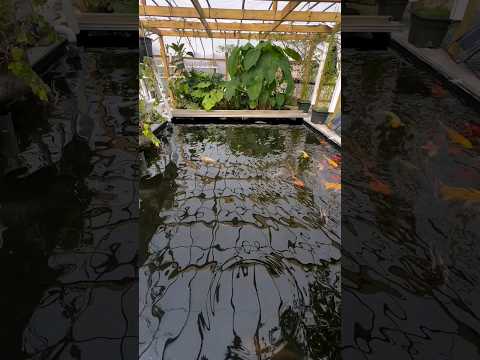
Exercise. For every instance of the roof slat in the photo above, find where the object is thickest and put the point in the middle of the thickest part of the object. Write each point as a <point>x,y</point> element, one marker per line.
<point>236,14</point>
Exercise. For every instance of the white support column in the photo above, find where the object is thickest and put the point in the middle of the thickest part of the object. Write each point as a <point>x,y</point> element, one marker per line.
<point>316,89</point>
<point>336,94</point>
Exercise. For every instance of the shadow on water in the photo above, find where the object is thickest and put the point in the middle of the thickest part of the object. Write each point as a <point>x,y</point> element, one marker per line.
<point>68,213</point>
<point>241,241</point>
<point>410,220</point>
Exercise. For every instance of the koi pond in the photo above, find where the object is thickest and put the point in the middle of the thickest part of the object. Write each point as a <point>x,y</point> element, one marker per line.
<point>240,244</point>
<point>410,219</point>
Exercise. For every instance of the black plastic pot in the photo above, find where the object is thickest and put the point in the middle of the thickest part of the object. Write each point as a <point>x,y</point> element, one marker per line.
<point>145,47</point>
<point>393,8</point>
<point>427,32</point>
<point>304,105</point>
<point>319,117</point>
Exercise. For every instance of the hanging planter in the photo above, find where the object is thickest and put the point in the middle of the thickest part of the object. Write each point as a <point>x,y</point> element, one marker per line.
<point>429,25</point>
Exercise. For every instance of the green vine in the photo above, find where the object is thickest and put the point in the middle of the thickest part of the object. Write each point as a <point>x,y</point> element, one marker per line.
<point>18,35</point>
<point>151,116</point>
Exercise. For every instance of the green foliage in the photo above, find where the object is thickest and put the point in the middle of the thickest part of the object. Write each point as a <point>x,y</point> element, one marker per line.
<point>260,79</point>
<point>260,76</point>
<point>179,54</point>
<point>146,72</point>
<point>195,90</point>
<point>329,76</point>
<point>20,34</point>
<point>20,67</point>
<point>147,118</point>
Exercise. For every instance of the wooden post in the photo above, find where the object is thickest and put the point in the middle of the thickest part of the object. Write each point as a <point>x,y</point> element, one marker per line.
<point>316,89</point>
<point>163,53</point>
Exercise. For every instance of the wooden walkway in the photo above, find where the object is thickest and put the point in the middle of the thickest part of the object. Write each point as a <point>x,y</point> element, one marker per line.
<point>239,114</point>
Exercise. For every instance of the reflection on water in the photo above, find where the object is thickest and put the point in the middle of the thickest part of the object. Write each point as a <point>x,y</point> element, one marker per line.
<point>241,238</point>
<point>68,210</point>
<point>410,265</point>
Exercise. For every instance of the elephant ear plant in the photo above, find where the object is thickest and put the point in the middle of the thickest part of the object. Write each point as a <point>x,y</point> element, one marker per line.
<point>260,76</point>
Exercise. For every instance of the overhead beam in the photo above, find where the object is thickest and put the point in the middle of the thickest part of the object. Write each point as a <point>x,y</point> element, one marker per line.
<point>285,12</point>
<point>201,15</point>
<point>185,25</point>
<point>232,35</point>
<point>235,14</point>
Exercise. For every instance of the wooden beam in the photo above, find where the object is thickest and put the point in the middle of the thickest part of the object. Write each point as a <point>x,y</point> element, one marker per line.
<point>232,35</point>
<point>163,54</point>
<point>236,14</point>
<point>185,25</point>
<point>274,6</point>
<point>285,12</point>
<point>201,15</point>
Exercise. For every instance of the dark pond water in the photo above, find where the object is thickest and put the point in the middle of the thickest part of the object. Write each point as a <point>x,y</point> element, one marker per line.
<point>241,244</point>
<point>410,219</point>
<point>69,208</point>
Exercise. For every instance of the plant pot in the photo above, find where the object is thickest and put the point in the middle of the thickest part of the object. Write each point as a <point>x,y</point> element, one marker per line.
<point>319,117</point>
<point>393,8</point>
<point>304,105</point>
<point>145,47</point>
<point>426,31</point>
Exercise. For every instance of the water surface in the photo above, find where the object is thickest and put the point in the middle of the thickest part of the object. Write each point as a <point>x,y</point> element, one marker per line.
<point>241,243</point>
<point>410,221</point>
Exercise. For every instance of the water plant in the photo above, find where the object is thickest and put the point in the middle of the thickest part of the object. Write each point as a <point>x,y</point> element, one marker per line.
<point>260,76</point>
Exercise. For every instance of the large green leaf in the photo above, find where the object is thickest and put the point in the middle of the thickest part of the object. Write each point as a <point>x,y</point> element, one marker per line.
<point>280,100</point>
<point>254,87</point>
<point>212,99</point>
<point>203,84</point>
<point>230,89</point>
<point>251,58</point>
<point>233,62</point>
<point>293,54</point>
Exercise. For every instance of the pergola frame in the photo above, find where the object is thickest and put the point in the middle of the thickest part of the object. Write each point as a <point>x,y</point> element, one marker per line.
<point>165,21</point>
<point>222,23</point>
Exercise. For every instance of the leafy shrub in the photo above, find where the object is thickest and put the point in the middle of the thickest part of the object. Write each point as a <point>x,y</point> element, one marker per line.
<point>260,76</point>
<point>260,79</point>
<point>197,90</point>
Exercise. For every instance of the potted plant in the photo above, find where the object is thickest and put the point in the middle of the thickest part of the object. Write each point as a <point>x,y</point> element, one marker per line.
<point>430,20</point>
<point>319,114</point>
<point>393,8</point>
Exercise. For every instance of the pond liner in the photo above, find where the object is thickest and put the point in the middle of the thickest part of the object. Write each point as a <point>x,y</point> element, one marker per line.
<point>51,57</point>
<point>468,98</point>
